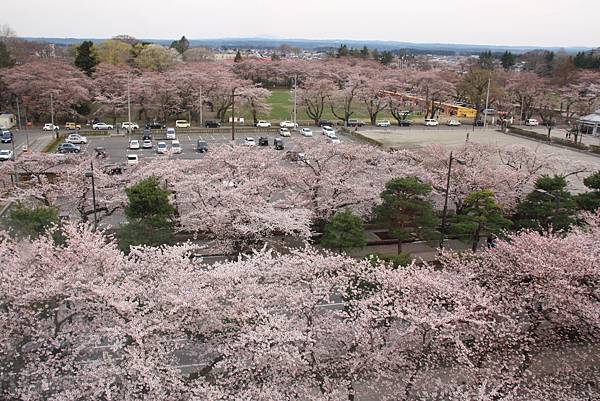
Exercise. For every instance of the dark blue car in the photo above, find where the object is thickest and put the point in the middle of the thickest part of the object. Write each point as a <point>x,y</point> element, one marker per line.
<point>7,137</point>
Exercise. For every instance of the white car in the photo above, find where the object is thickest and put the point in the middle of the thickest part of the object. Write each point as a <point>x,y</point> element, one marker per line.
<point>453,123</point>
<point>383,123</point>
<point>249,141</point>
<point>134,144</point>
<point>176,147</point>
<point>161,148</point>
<point>146,144</point>
<point>132,160</point>
<point>430,122</point>
<point>284,132</point>
<point>327,130</point>
<point>6,154</point>
<point>76,138</point>
<point>129,126</point>
<point>102,126</point>
<point>288,124</point>
<point>50,127</point>
<point>171,133</point>
<point>263,124</point>
<point>182,124</point>
<point>306,132</point>
<point>532,122</point>
<point>333,139</point>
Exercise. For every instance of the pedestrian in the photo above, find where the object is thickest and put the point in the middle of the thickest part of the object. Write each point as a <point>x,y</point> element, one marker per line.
<point>117,129</point>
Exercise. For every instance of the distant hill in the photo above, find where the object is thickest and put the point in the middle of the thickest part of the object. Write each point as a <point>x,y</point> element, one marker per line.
<point>310,44</point>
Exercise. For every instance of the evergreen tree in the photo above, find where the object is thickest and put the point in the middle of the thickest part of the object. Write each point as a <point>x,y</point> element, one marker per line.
<point>386,58</point>
<point>590,201</point>
<point>344,231</point>
<point>343,51</point>
<point>364,53</point>
<point>149,214</point>
<point>86,59</point>
<point>481,215</point>
<point>508,60</point>
<point>486,60</point>
<point>181,45</point>
<point>238,57</point>
<point>32,222</point>
<point>6,59</point>
<point>406,210</point>
<point>549,206</point>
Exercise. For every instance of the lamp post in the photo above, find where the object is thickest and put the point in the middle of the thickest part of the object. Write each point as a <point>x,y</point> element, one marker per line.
<point>445,211</point>
<point>551,196</point>
<point>90,174</point>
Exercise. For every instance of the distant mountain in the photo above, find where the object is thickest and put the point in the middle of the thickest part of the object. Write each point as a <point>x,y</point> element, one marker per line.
<point>311,44</point>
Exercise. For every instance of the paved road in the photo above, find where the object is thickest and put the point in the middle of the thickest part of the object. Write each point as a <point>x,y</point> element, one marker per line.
<point>117,147</point>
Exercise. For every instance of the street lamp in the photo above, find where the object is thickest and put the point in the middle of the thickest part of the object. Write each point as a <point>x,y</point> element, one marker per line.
<point>551,196</point>
<point>90,174</point>
<point>445,212</point>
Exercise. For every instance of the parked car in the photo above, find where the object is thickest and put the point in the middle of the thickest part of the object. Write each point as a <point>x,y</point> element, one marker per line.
<point>306,132</point>
<point>134,144</point>
<point>102,126</point>
<point>404,123</point>
<point>453,123</point>
<point>212,124</point>
<point>129,126</point>
<point>161,148</point>
<point>176,147</point>
<point>284,132</point>
<point>328,123</point>
<point>155,125</point>
<point>278,144</point>
<point>76,138</point>
<point>488,112</point>
<point>249,141</point>
<point>532,122</point>
<point>146,144</point>
<point>479,122</point>
<point>182,124</point>
<point>355,123</point>
<point>262,141</point>
<point>171,133</point>
<point>333,139</point>
<point>146,134</point>
<point>202,146</point>
<point>50,127</point>
<point>7,137</point>
<point>68,148</point>
<point>431,122</point>
<point>326,130</point>
<point>263,124</point>
<point>71,126</point>
<point>288,124</point>
<point>132,160</point>
<point>6,154</point>
<point>383,123</point>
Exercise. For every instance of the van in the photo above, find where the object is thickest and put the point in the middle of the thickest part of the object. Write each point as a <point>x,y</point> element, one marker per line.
<point>278,143</point>
<point>171,133</point>
<point>72,126</point>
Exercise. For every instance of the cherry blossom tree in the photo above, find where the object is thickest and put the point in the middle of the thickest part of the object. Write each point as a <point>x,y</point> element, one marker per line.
<point>34,82</point>
<point>313,95</point>
<point>110,87</point>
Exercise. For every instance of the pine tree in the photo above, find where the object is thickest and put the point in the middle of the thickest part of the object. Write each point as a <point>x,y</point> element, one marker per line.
<point>238,57</point>
<point>86,59</point>
<point>344,231</point>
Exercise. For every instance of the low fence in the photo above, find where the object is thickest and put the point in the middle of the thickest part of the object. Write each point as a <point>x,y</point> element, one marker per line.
<point>554,140</point>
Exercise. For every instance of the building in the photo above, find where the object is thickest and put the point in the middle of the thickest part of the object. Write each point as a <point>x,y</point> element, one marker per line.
<point>8,120</point>
<point>590,124</point>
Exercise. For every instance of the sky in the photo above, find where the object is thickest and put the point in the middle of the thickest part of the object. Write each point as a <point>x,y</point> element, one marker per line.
<point>505,22</point>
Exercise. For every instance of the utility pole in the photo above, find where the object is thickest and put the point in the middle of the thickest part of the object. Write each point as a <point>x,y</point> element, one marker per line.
<point>487,103</point>
<point>52,110</point>
<point>18,115</point>
<point>128,105</point>
<point>295,102</point>
<point>201,106</point>
<point>233,116</point>
<point>445,212</point>
<point>90,174</point>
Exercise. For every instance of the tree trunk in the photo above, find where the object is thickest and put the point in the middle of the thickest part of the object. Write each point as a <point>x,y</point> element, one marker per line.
<point>476,238</point>
<point>399,246</point>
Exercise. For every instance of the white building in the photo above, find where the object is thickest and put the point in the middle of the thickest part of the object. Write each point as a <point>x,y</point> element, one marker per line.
<point>8,120</point>
<point>591,123</point>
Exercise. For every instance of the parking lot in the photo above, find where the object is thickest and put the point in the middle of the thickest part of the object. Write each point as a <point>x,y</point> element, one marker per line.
<point>117,146</point>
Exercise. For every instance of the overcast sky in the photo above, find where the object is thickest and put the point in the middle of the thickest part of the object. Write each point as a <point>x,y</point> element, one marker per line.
<point>504,22</point>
